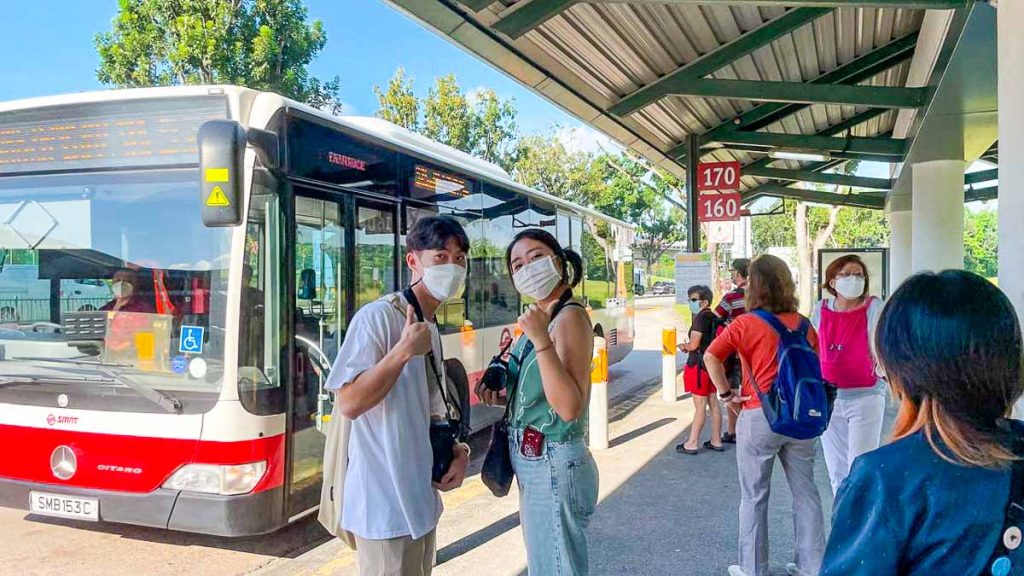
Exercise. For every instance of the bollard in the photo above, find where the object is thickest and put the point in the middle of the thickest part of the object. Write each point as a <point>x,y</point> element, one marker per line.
<point>599,395</point>
<point>669,393</point>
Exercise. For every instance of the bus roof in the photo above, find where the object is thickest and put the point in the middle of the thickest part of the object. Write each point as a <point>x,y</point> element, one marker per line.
<point>376,128</point>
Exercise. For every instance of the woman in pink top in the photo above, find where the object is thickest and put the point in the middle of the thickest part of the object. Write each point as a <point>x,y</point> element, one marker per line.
<point>845,324</point>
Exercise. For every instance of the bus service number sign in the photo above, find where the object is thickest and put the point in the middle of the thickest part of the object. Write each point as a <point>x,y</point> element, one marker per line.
<point>721,176</point>
<point>719,207</point>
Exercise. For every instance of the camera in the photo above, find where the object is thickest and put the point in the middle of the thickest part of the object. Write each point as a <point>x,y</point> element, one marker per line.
<point>495,377</point>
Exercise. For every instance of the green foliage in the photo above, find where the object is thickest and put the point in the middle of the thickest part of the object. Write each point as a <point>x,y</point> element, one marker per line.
<point>855,228</point>
<point>398,104</point>
<point>262,44</point>
<point>485,126</point>
<point>547,165</point>
<point>447,116</point>
<point>981,242</point>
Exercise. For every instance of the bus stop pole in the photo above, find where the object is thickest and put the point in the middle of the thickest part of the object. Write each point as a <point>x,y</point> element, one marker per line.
<point>669,393</point>
<point>692,196</point>
<point>599,395</point>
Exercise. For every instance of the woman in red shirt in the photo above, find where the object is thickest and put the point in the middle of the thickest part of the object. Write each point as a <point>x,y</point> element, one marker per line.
<point>771,288</point>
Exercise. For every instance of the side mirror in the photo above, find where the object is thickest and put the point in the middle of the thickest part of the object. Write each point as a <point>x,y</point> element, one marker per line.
<point>307,284</point>
<point>221,172</point>
<point>222,168</point>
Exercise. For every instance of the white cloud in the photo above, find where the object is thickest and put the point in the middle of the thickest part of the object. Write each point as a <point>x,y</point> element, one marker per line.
<point>581,138</point>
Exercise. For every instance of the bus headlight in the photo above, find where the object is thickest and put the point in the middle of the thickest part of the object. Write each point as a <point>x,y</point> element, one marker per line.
<point>216,479</point>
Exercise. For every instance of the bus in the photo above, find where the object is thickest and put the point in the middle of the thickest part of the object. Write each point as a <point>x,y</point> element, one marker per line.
<point>228,236</point>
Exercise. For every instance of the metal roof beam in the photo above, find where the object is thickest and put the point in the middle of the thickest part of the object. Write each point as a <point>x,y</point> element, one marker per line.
<point>981,194</point>
<point>835,155</point>
<point>820,178</point>
<point>717,59</point>
<point>477,5</point>
<point>909,4</point>
<point>525,15</point>
<point>855,200</point>
<point>868,65</point>
<point>880,146</point>
<point>982,176</point>
<point>799,92</point>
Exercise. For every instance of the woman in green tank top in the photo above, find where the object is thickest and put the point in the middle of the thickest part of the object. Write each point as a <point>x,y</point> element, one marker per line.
<point>550,394</point>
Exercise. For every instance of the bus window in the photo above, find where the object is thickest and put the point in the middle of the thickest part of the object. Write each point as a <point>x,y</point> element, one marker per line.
<point>599,280</point>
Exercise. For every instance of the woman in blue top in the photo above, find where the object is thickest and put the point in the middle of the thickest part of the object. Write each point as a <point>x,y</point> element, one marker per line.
<point>934,500</point>
<point>548,417</point>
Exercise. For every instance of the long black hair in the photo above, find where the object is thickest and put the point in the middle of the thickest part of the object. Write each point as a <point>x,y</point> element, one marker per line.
<point>571,262</point>
<point>950,344</point>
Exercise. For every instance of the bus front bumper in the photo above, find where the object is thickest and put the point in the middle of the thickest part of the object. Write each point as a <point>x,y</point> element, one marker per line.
<point>229,516</point>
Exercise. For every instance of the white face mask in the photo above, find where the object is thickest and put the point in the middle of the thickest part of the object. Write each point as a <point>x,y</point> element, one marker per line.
<point>850,287</point>
<point>444,281</point>
<point>538,279</point>
<point>121,289</point>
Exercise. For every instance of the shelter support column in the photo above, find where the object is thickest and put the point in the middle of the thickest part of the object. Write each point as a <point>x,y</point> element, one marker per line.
<point>937,224</point>
<point>1011,151</point>
<point>898,212</point>
<point>1010,59</point>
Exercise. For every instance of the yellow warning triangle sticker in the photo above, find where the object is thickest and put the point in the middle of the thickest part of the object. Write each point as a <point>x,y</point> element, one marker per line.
<point>217,198</point>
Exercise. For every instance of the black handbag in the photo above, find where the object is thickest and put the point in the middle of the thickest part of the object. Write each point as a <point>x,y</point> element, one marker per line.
<point>444,433</point>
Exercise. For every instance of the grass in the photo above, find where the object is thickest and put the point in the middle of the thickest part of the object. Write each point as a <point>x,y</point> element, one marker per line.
<point>597,291</point>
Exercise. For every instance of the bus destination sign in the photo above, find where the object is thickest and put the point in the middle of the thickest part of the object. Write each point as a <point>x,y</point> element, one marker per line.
<point>105,134</point>
<point>430,182</point>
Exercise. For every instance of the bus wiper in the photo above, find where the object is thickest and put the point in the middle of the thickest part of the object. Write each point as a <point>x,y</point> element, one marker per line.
<point>166,401</point>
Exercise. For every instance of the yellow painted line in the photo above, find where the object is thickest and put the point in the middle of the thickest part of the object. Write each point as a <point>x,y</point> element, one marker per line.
<point>470,489</point>
<point>343,560</point>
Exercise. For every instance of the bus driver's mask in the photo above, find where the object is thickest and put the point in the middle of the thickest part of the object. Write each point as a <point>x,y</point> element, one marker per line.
<point>444,281</point>
<point>538,279</point>
<point>122,289</point>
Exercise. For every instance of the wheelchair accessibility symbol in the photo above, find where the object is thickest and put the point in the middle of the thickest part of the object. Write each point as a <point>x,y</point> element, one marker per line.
<point>191,341</point>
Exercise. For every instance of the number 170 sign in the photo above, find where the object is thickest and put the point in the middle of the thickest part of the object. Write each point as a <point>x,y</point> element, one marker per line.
<point>721,176</point>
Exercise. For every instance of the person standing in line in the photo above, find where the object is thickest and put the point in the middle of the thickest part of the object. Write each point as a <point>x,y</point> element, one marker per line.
<point>936,499</point>
<point>557,476</point>
<point>845,324</point>
<point>732,306</point>
<point>381,374</point>
<point>771,289</point>
<point>695,375</point>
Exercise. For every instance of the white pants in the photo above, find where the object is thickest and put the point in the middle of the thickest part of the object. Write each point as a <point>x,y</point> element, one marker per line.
<point>855,428</point>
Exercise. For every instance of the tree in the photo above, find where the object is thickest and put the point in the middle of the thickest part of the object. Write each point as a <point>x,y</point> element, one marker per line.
<point>262,44</point>
<point>495,130</point>
<point>398,104</point>
<point>447,116</point>
<point>981,242</point>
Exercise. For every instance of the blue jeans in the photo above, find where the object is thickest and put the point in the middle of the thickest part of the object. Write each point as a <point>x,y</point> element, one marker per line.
<point>557,497</point>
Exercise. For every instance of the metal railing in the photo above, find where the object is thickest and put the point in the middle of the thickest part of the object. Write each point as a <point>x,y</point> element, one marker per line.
<point>38,309</point>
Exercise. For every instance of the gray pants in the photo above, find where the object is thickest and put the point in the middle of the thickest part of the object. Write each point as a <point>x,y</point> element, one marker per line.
<point>400,556</point>
<point>756,449</point>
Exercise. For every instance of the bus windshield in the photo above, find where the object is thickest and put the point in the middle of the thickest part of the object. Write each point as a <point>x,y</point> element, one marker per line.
<point>110,284</point>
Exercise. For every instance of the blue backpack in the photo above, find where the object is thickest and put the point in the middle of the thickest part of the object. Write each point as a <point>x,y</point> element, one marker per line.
<point>798,404</point>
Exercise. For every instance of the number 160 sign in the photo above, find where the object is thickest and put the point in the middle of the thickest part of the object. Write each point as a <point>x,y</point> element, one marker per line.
<point>718,207</point>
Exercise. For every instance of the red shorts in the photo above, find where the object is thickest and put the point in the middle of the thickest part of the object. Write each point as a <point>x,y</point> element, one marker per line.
<point>696,380</point>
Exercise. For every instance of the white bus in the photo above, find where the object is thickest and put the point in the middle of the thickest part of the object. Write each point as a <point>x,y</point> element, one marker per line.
<point>250,228</point>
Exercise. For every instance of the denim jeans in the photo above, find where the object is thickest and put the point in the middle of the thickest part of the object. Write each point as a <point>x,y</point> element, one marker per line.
<point>557,497</point>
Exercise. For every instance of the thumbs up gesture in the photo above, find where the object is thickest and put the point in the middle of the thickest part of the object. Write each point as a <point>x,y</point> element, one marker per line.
<point>415,335</point>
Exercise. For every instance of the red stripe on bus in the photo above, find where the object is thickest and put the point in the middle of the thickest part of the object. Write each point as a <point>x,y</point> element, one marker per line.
<point>134,464</point>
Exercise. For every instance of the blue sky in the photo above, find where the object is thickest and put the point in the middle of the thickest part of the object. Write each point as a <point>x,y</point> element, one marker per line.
<point>366,42</point>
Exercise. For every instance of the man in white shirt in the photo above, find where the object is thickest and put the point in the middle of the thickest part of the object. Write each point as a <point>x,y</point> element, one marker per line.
<point>390,503</point>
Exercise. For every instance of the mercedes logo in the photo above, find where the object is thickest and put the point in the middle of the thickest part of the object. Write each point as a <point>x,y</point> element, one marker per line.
<point>63,463</point>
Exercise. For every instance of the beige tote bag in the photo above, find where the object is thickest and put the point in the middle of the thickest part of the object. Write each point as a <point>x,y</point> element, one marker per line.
<point>339,429</point>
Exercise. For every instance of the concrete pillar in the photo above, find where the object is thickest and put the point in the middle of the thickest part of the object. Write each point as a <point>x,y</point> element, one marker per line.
<point>1011,151</point>
<point>1010,59</point>
<point>900,242</point>
<point>937,224</point>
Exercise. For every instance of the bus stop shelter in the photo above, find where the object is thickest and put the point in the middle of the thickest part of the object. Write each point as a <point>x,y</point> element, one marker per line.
<point>792,89</point>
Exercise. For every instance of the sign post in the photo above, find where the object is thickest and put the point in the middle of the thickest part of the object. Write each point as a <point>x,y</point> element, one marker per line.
<point>719,207</point>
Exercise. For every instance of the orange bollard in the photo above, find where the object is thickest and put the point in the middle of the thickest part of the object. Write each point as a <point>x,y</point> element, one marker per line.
<point>669,393</point>
<point>599,395</point>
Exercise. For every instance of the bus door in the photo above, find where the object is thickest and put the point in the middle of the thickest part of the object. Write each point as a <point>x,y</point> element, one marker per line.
<point>345,256</point>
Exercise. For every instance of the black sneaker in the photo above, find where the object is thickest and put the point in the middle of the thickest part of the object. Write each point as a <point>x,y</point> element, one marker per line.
<point>729,438</point>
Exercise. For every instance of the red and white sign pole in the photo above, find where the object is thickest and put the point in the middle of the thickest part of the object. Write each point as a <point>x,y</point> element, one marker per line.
<point>723,177</point>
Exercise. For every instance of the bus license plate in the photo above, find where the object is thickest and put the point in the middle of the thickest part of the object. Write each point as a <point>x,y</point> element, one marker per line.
<point>62,506</point>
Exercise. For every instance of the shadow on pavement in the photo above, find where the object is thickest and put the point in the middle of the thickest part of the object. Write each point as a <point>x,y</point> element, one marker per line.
<point>640,431</point>
<point>477,539</point>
